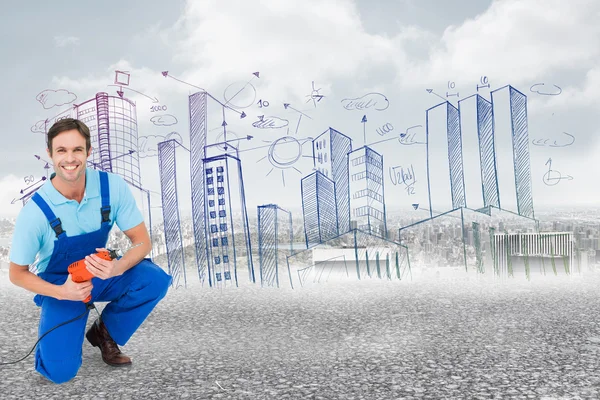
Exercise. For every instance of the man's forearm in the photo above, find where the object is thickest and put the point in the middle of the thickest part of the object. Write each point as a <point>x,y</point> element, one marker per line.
<point>132,257</point>
<point>30,281</point>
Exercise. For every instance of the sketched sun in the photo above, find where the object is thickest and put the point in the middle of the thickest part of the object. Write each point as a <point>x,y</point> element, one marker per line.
<point>284,153</point>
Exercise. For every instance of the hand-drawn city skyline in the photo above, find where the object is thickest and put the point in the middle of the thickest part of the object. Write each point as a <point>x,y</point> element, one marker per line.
<point>344,192</point>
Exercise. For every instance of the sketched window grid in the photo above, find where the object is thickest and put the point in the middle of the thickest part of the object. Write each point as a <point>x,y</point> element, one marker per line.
<point>374,161</point>
<point>367,211</point>
<point>376,178</point>
<point>368,193</point>
<point>358,161</point>
<point>359,176</point>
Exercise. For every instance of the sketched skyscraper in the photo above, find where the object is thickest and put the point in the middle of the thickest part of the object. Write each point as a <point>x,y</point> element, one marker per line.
<point>330,151</point>
<point>114,134</point>
<point>367,203</point>
<point>511,139</point>
<point>167,160</point>
<point>319,208</point>
<point>198,132</point>
<point>494,170</point>
<point>479,158</point>
<point>445,179</point>
<point>274,230</point>
<point>228,235</point>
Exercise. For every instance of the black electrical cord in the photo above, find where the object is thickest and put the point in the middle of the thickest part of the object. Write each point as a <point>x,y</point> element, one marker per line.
<point>89,306</point>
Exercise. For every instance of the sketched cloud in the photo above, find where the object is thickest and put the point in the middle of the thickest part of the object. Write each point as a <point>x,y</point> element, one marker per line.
<point>563,139</point>
<point>270,123</point>
<point>546,90</point>
<point>164,120</point>
<point>39,127</point>
<point>376,101</point>
<point>148,145</point>
<point>51,98</point>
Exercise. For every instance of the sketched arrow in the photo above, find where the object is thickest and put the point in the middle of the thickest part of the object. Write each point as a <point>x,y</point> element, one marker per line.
<point>235,140</point>
<point>154,99</point>
<point>32,185</point>
<point>254,74</point>
<point>364,122</point>
<point>287,105</point>
<point>549,162</point>
<point>167,75</point>
<point>41,159</point>
<point>432,92</point>
<point>382,141</point>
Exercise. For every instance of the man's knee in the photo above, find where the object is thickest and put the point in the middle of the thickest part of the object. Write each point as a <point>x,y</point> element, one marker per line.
<point>158,281</point>
<point>59,371</point>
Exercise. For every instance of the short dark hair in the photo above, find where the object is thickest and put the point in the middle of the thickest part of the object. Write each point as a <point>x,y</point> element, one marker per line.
<point>67,124</point>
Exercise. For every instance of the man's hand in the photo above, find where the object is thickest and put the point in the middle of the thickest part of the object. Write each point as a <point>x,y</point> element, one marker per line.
<point>101,268</point>
<point>75,291</point>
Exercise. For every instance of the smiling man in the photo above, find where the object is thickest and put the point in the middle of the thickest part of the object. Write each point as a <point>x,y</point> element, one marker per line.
<point>69,219</point>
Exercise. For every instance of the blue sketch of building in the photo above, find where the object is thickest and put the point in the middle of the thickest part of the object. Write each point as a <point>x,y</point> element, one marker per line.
<point>112,121</point>
<point>500,144</point>
<point>227,235</point>
<point>444,158</point>
<point>198,133</point>
<point>330,152</point>
<point>479,161</point>
<point>170,210</point>
<point>367,203</point>
<point>511,138</point>
<point>274,232</point>
<point>319,208</point>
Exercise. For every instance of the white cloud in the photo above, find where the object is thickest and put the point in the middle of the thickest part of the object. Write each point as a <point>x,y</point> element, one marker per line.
<point>293,42</point>
<point>10,186</point>
<point>586,94</point>
<point>63,41</point>
<point>515,42</point>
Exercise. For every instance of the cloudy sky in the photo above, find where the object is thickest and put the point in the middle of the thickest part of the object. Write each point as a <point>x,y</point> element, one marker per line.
<point>338,49</point>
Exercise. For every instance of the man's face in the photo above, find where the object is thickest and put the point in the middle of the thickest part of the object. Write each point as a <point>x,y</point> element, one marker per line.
<point>69,155</point>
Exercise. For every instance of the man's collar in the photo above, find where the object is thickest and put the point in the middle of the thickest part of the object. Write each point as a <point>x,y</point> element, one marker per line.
<point>92,188</point>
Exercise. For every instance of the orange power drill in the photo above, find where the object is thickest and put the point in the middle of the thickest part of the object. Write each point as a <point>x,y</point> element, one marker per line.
<point>79,272</point>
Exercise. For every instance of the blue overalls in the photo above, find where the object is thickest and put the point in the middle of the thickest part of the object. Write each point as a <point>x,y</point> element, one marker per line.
<point>132,295</point>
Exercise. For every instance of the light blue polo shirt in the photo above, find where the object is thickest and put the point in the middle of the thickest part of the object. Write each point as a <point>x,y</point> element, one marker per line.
<point>33,234</point>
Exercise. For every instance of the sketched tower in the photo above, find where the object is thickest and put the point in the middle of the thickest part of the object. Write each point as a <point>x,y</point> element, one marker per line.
<point>501,140</point>
<point>114,134</point>
<point>319,208</point>
<point>198,133</point>
<point>366,191</point>
<point>330,153</point>
<point>274,230</point>
<point>511,141</point>
<point>228,234</point>
<point>167,161</point>
<point>445,179</point>
<point>481,183</point>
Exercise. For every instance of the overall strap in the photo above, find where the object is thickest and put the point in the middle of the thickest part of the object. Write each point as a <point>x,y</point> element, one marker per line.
<point>105,193</point>
<point>54,221</point>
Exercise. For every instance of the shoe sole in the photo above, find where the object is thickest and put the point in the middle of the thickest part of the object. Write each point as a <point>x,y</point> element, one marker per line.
<point>117,365</point>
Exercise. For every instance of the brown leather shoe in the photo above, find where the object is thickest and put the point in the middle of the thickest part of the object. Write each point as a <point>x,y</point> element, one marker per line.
<point>98,336</point>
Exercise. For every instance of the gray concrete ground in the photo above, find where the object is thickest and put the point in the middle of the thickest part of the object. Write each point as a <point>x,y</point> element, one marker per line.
<point>432,338</point>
